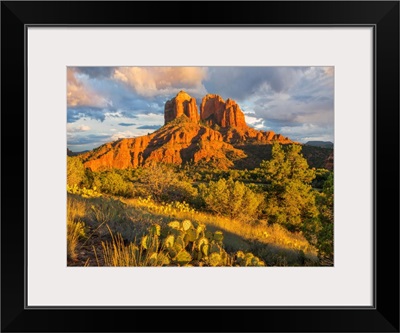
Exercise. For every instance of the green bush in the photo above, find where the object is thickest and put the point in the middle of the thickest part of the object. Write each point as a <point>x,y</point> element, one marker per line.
<point>113,183</point>
<point>231,198</point>
<point>75,171</point>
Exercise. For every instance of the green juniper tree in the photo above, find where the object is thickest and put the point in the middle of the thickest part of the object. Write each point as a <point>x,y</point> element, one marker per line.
<point>290,199</point>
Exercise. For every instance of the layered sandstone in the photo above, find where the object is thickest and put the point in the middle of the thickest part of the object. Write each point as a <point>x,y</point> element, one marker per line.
<point>221,137</point>
<point>181,104</point>
<point>173,144</point>
<point>215,111</point>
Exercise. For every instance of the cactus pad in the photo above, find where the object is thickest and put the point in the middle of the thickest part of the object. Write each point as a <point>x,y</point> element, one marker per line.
<point>186,225</point>
<point>190,235</point>
<point>183,258</point>
<point>214,259</point>
<point>174,224</point>
<point>169,241</point>
<point>218,236</point>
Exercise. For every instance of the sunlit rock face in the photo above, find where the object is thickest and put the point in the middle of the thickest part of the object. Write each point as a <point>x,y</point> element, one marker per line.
<point>217,134</point>
<point>181,104</point>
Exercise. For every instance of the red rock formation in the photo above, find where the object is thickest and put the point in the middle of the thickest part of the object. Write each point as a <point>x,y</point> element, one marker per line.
<point>181,104</point>
<point>214,110</point>
<point>211,109</point>
<point>173,144</point>
<point>187,140</point>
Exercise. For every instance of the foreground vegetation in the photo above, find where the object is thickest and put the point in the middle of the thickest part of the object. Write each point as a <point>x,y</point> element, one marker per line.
<point>197,216</point>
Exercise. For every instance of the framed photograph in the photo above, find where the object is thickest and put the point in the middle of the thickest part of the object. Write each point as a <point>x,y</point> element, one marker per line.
<point>235,162</point>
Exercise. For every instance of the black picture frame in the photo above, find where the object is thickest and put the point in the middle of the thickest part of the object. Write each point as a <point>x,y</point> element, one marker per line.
<point>383,316</point>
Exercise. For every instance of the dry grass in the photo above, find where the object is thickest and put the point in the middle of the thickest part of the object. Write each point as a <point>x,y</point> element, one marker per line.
<point>130,219</point>
<point>238,235</point>
<point>75,231</point>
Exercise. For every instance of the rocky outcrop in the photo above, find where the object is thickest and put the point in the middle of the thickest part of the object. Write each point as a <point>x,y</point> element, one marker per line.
<point>174,144</point>
<point>181,104</point>
<point>215,111</point>
<point>221,137</point>
<point>121,154</point>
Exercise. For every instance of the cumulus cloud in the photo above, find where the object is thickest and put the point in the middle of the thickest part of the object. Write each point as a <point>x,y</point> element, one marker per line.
<point>122,135</point>
<point>307,106</point>
<point>81,128</point>
<point>295,101</point>
<point>153,81</point>
<point>80,94</point>
<point>309,132</point>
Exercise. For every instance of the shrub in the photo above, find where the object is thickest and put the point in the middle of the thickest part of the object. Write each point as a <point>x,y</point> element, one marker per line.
<point>75,171</point>
<point>113,183</point>
<point>164,184</point>
<point>231,198</point>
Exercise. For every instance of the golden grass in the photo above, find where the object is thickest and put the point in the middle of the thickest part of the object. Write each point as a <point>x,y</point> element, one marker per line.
<point>275,235</point>
<point>130,219</point>
<point>76,209</point>
<point>75,230</point>
<point>116,253</point>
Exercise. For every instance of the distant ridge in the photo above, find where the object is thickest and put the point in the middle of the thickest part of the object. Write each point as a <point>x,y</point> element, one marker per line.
<point>322,144</point>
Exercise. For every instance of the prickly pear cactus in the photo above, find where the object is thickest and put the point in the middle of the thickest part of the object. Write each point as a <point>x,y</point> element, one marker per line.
<point>190,235</point>
<point>190,244</point>
<point>218,236</point>
<point>205,249</point>
<point>169,241</point>
<point>183,258</point>
<point>215,248</point>
<point>186,225</point>
<point>174,224</point>
<point>215,259</point>
<point>247,259</point>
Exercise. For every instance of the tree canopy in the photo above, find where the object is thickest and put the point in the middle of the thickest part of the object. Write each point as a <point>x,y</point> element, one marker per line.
<point>290,200</point>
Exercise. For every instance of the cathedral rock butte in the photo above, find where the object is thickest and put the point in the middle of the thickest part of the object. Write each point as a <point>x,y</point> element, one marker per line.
<point>217,135</point>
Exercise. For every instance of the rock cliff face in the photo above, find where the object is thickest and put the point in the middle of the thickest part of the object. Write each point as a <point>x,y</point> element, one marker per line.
<point>215,111</point>
<point>220,138</point>
<point>181,104</point>
<point>173,143</point>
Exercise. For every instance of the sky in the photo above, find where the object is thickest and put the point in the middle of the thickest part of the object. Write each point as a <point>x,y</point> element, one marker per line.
<point>108,103</point>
